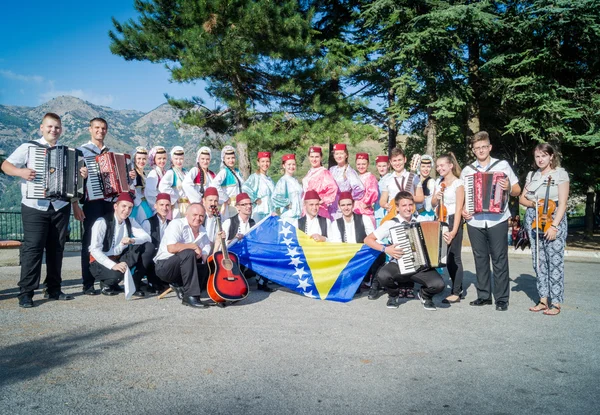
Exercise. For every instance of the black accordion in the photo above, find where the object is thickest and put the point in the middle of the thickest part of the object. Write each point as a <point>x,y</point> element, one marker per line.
<point>423,245</point>
<point>56,173</point>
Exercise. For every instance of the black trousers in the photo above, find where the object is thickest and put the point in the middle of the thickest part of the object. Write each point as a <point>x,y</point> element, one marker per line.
<point>184,267</point>
<point>138,256</point>
<point>486,243</point>
<point>390,278</point>
<point>42,230</point>
<point>454,264</point>
<point>151,273</point>
<point>92,210</point>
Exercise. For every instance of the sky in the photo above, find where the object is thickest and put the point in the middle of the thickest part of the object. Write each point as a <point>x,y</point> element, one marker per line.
<point>48,49</point>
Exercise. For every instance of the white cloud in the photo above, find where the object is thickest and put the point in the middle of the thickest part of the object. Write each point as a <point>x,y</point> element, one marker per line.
<point>19,77</point>
<point>78,93</point>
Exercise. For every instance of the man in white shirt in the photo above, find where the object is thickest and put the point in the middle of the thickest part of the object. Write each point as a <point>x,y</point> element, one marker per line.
<point>312,224</point>
<point>389,275</point>
<point>155,226</point>
<point>351,227</point>
<point>182,254</point>
<point>45,223</point>
<point>399,180</point>
<point>117,243</point>
<point>487,231</point>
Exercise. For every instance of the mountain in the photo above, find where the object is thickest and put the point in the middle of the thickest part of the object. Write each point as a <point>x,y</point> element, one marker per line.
<point>127,129</point>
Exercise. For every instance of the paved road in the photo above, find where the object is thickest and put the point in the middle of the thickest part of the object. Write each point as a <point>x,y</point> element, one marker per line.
<point>286,354</point>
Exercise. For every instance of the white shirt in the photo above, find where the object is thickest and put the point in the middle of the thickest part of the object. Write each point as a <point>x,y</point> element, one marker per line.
<point>536,184</point>
<point>312,226</point>
<point>336,236</point>
<point>382,233</point>
<point>90,149</point>
<point>210,225</point>
<point>116,247</point>
<point>19,159</point>
<point>162,225</point>
<point>389,184</point>
<point>151,190</point>
<point>179,231</point>
<point>243,228</point>
<point>488,220</point>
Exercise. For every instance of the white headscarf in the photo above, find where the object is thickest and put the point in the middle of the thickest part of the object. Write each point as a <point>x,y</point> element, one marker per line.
<point>152,154</point>
<point>203,150</point>
<point>226,149</point>
<point>175,150</point>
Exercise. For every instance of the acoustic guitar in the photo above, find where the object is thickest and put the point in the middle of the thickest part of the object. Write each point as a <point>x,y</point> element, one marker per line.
<point>226,282</point>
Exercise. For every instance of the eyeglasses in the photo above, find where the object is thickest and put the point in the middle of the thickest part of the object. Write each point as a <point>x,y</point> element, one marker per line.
<point>481,148</point>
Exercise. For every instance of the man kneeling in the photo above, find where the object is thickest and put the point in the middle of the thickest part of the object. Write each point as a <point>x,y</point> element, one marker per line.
<point>389,275</point>
<point>182,254</point>
<point>118,242</point>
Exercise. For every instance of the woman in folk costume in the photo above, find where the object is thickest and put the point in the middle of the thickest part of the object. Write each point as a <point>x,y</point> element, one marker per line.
<point>141,209</point>
<point>260,188</point>
<point>383,169</point>
<point>425,209</point>
<point>287,196</point>
<point>158,160</point>
<point>172,183</point>
<point>199,177</point>
<point>228,182</point>
<point>346,177</point>
<point>320,180</point>
<point>365,206</point>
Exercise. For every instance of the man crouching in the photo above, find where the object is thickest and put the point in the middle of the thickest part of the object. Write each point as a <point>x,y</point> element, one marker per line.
<point>118,242</point>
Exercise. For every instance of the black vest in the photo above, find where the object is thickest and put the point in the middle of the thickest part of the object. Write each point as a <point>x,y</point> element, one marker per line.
<point>110,231</point>
<point>322,225</point>
<point>234,224</point>
<point>359,228</point>
<point>155,230</point>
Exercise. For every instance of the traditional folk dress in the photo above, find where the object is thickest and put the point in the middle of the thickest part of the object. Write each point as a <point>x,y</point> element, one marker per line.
<point>197,179</point>
<point>287,197</point>
<point>260,187</point>
<point>347,180</point>
<point>172,184</point>
<point>228,182</point>
<point>320,180</point>
<point>365,206</point>
<point>154,176</point>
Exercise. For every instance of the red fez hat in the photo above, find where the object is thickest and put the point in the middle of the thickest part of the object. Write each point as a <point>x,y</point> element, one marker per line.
<point>315,149</point>
<point>311,195</point>
<point>382,159</point>
<point>163,196</point>
<point>362,156</point>
<point>211,191</point>
<point>345,195</point>
<point>287,157</point>
<point>262,154</point>
<point>124,197</point>
<point>339,147</point>
<point>241,196</point>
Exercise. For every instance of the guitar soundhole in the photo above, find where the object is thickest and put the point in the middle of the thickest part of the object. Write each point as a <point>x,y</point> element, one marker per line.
<point>227,264</point>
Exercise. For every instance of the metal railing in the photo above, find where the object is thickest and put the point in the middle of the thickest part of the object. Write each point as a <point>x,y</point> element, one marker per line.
<point>11,227</point>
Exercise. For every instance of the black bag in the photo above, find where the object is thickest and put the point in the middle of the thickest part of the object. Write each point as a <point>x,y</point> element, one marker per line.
<point>522,240</point>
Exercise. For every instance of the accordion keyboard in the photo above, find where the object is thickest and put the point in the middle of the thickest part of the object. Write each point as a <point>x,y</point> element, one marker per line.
<point>36,188</point>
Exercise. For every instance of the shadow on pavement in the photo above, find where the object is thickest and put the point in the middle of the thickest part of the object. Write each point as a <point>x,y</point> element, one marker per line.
<point>27,360</point>
<point>14,292</point>
<point>526,283</point>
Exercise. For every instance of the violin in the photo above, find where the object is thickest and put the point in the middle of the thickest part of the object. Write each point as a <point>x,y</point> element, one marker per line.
<point>546,208</point>
<point>441,211</point>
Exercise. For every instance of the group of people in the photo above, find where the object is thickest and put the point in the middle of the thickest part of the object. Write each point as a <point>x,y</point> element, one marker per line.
<point>165,227</point>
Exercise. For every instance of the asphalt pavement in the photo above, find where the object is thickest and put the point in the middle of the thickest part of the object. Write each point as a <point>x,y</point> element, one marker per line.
<point>282,353</point>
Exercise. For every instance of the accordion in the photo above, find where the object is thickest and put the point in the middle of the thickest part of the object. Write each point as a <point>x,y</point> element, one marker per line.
<point>483,193</point>
<point>108,175</point>
<point>423,245</point>
<point>56,173</point>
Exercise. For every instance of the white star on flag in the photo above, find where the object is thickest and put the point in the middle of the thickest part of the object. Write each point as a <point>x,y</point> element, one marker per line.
<point>309,294</point>
<point>295,261</point>
<point>303,284</point>
<point>287,241</point>
<point>300,272</point>
<point>285,230</point>
<point>292,252</point>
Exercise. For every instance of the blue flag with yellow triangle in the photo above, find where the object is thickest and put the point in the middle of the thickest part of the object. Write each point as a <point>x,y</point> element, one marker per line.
<point>278,251</point>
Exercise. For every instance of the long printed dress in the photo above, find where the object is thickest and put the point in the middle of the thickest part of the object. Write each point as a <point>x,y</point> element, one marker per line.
<point>195,183</point>
<point>365,206</point>
<point>260,187</point>
<point>229,184</point>
<point>347,180</point>
<point>151,190</point>
<point>320,180</point>
<point>141,208</point>
<point>287,197</point>
<point>172,183</point>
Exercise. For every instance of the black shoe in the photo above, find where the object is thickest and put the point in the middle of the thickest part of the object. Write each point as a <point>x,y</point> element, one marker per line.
<point>25,302</point>
<point>108,291</point>
<point>501,306</point>
<point>374,291</point>
<point>118,289</point>
<point>480,302</point>
<point>139,293</point>
<point>89,290</point>
<point>60,296</point>
<point>178,290</point>
<point>392,302</point>
<point>193,302</point>
<point>426,301</point>
<point>264,287</point>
